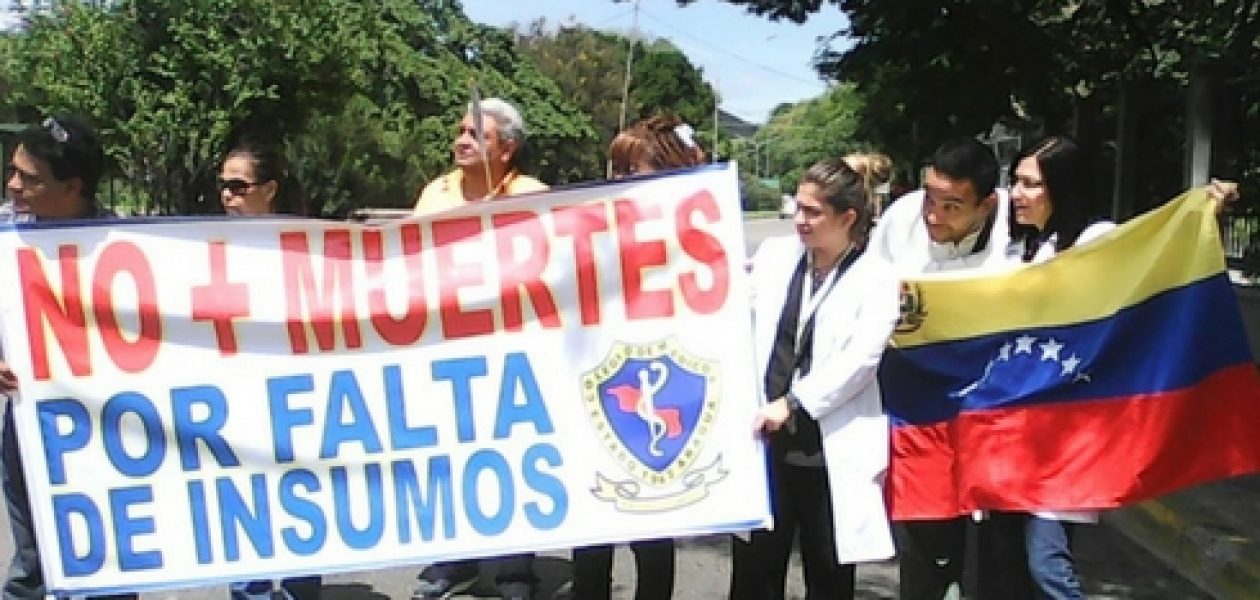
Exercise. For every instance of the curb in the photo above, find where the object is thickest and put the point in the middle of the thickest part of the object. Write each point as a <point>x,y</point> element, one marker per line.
<point>1192,542</point>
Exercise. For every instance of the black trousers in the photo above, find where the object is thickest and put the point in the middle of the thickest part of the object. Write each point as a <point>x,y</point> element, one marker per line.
<point>931,556</point>
<point>515,568</point>
<point>25,580</point>
<point>304,588</point>
<point>801,504</point>
<point>653,565</point>
<point>300,588</point>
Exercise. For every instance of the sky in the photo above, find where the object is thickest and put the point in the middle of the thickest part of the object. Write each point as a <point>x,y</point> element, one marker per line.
<point>755,63</point>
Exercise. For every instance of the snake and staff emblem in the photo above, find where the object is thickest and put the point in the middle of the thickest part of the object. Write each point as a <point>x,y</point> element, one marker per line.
<point>646,408</point>
<point>653,406</point>
<point>641,400</point>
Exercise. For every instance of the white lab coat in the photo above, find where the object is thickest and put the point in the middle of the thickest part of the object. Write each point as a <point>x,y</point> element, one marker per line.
<point>851,330</point>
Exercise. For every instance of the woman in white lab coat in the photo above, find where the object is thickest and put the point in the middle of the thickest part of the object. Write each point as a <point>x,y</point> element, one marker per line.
<point>822,317</point>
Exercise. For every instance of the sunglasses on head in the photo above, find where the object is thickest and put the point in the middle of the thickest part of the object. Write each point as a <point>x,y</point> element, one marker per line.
<point>236,186</point>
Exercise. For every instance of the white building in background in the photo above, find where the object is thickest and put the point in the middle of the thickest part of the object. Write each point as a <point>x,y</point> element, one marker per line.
<point>14,12</point>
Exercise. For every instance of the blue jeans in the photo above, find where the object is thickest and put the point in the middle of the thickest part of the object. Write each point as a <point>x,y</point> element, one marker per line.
<point>1050,559</point>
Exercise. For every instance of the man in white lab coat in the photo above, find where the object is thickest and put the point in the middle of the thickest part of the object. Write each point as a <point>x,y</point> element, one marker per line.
<point>958,221</point>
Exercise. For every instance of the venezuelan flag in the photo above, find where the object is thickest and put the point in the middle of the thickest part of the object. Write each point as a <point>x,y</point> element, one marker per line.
<point>1118,371</point>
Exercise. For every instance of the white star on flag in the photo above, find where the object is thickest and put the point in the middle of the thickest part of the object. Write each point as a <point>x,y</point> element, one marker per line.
<point>1024,344</point>
<point>1070,364</point>
<point>1050,349</point>
<point>1004,353</point>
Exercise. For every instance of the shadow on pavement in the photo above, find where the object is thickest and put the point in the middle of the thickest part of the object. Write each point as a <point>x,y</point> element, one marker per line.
<point>554,577</point>
<point>350,591</point>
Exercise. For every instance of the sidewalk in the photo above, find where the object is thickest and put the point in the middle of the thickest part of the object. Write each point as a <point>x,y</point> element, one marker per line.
<point>1209,534</point>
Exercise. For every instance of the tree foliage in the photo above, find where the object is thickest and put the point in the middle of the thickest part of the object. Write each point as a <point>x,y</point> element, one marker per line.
<point>802,134</point>
<point>362,97</point>
<point>933,71</point>
<point>929,70</point>
<point>589,67</point>
<point>168,83</point>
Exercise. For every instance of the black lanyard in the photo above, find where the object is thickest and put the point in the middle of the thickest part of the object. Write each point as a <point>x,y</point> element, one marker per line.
<point>806,337</point>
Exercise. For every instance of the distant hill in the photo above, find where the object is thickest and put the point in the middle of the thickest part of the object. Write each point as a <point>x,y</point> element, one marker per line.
<point>735,126</point>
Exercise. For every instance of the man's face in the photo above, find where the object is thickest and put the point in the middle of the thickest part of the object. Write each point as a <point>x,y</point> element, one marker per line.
<point>467,154</point>
<point>951,209</point>
<point>33,189</point>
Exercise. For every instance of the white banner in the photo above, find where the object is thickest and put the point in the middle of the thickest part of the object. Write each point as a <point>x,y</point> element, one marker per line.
<point>210,400</point>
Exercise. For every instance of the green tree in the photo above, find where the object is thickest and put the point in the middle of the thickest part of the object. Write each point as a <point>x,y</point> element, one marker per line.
<point>363,97</point>
<point>928,70</point>
<point>396,132</point>
<point>168,83</point>
<point>663,79</point>
<point>589,67</point>
<point>799,135</point>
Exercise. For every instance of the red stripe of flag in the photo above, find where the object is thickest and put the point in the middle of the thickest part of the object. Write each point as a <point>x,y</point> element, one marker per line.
<point>1081,454</point>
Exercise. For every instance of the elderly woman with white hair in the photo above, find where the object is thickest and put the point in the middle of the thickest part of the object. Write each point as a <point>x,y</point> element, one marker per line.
<point>478,175</point>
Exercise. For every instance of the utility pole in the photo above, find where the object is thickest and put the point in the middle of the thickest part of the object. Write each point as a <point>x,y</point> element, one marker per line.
<point>625,84</point>
<point>625,87</point>
<point>716,99</point>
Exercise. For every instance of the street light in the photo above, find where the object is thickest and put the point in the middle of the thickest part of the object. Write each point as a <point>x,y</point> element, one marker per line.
<point>765,173</point>
<point>756,155</point>
<point>760,160</point>
<point>1005,145</point>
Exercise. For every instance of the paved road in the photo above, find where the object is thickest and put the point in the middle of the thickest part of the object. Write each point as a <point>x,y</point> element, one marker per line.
<point>1112,567</point>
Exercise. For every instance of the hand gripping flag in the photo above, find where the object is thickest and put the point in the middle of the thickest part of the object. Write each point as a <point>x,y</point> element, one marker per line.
<point>1118,371</point>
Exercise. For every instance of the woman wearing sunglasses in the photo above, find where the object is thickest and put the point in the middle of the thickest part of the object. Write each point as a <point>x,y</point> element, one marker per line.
<point>249,182</point>
<point>249,185</point>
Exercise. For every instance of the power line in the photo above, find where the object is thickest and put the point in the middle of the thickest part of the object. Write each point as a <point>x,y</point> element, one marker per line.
<point>727,52</point>
<point>615,17</point>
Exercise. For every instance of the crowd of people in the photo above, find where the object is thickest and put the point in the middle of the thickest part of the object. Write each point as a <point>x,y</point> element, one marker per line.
<point>825,304</point>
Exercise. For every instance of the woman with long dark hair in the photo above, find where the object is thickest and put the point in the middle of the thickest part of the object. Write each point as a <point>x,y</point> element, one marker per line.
<point>1051,211</point>
<point>1052,208</point>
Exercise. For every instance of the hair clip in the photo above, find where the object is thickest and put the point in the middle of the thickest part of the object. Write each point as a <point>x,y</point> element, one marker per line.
<point>55,129</point>
<point>883,188</point>
<point>686,134</point>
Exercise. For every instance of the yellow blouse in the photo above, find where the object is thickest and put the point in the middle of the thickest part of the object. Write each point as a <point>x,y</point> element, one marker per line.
<point>446,192</point>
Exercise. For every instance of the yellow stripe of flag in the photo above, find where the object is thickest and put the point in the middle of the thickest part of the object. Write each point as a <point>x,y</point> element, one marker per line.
<point>1166,248</point>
